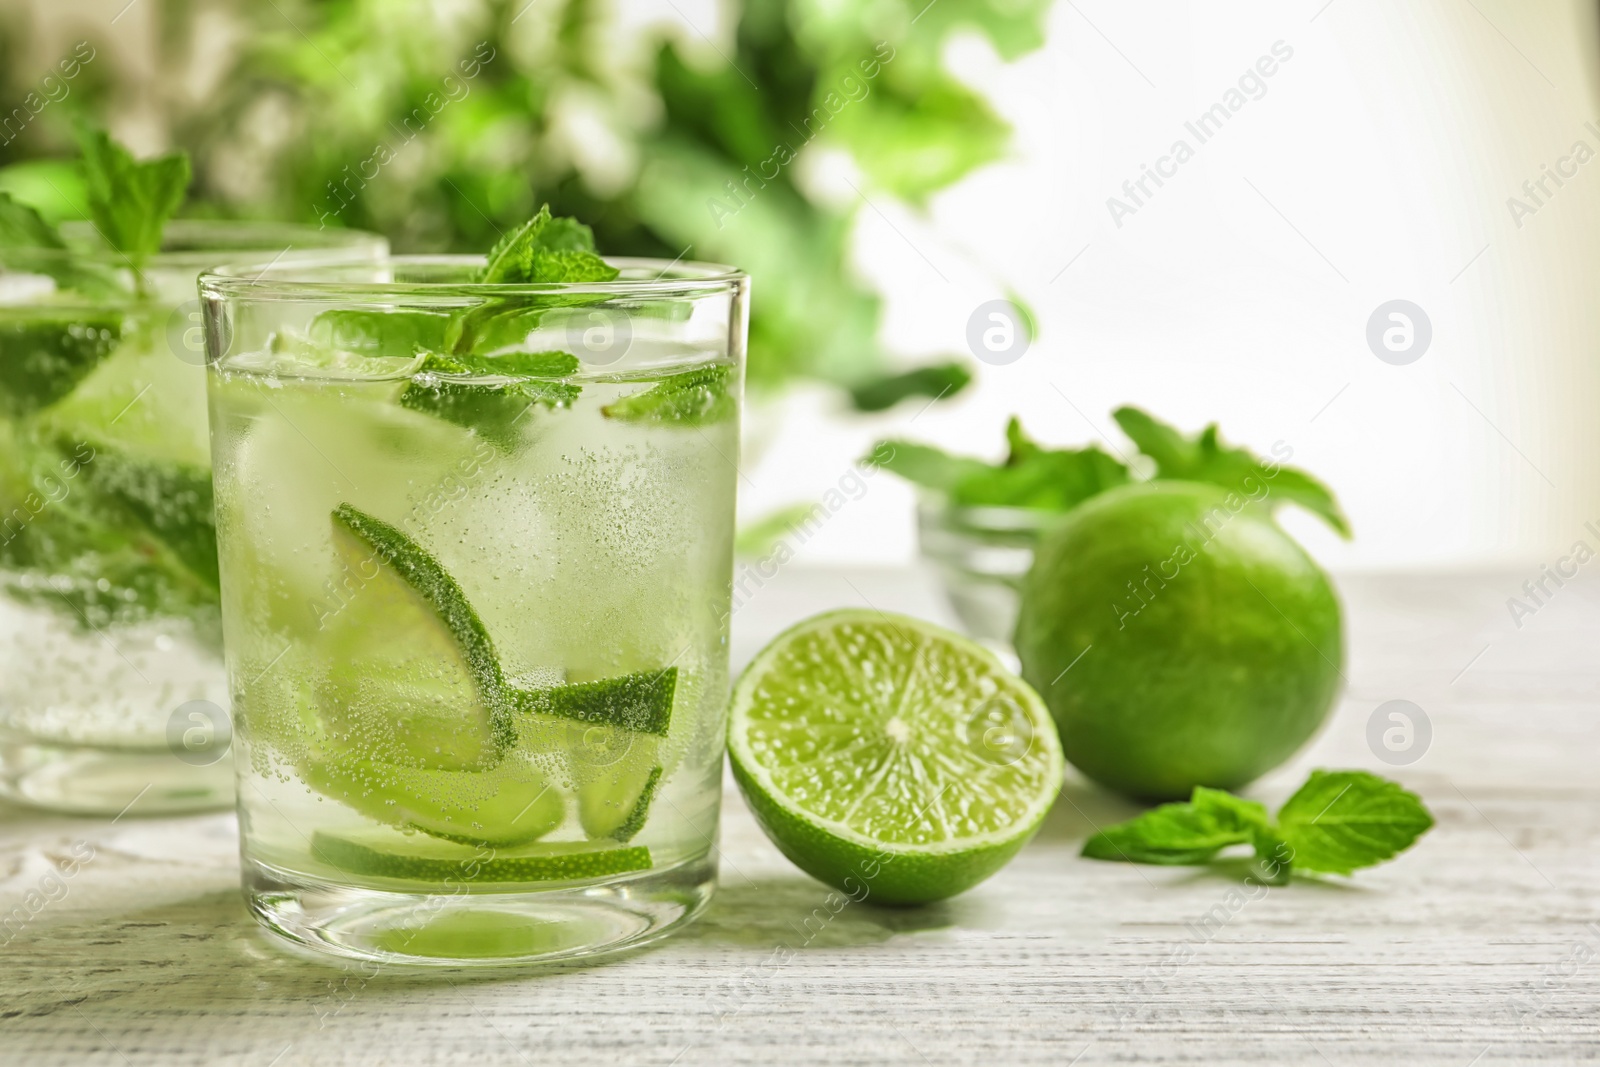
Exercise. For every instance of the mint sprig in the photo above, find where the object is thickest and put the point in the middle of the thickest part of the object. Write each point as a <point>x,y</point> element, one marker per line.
<point>130,201</point>
<point>1337,822</point>
<point>1031,476</point>
<point>1203,457</point>
<point>546,249</point>
<point>543,250</point>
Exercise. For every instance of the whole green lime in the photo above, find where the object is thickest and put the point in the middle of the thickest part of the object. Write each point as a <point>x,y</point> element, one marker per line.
<point>1179,638</point>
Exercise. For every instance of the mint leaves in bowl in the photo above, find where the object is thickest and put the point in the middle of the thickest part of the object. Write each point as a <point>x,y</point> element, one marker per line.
<point>978,522</point>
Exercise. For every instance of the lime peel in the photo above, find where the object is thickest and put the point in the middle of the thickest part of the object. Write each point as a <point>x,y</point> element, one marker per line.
<point>548,863</point>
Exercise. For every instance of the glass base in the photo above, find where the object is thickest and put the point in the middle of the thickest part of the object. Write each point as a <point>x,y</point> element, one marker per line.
<point>85,780</point>
<point>477,929</point>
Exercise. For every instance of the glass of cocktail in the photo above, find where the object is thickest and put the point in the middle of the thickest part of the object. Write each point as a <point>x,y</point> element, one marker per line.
<point>476,557</point>
<point>112,692</point>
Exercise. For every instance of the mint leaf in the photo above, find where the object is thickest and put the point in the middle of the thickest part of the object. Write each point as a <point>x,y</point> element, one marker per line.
<point>23,227</point>
<point>391,333</point>
<point>130,201</point>
<point>444,387</point>
<point>1204,458</point>
<point>1182,833</point>
<point>546,249</point>
<point>1337,822</point>
<point>543,250</point>
<point>1342,820</point>
<point>938,381</point>
<point>758,537</point>
<point>693,398</point>
<point>925,465</point>
<point>508,258</point>
<point>1032,476</point>
<point>568,265</point>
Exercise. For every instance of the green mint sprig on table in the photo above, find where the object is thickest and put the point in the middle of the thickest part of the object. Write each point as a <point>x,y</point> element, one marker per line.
<point>130,201</point>
<point>1337,823</point>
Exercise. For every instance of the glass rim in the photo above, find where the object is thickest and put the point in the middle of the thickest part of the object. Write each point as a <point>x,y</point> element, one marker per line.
<point>313,281</point>
<point>215,241</point>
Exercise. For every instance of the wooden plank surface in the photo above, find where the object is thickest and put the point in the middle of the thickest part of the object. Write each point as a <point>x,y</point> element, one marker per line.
<point>1481,946</point>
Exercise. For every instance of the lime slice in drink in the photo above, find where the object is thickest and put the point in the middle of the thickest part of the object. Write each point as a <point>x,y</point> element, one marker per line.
<point>510,804</point>
<point>889,757</point>
<point>442,862</point>
<point>409,674</point>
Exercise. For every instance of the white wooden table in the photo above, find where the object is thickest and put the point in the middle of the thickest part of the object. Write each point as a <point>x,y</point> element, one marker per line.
<point>1481,946</point>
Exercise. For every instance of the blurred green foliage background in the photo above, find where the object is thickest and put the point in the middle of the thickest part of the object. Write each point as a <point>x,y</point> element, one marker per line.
<point>442,124</point>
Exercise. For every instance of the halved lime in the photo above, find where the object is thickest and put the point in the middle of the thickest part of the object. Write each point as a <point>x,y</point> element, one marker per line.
<point>890,757</point>
<point>427,860</point>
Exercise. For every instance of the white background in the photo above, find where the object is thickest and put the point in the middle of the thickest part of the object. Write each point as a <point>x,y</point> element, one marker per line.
<point>1377,166</point>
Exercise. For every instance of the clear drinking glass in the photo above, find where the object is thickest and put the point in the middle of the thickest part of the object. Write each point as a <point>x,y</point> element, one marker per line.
<point>476,550</point>
<point>112,693</point>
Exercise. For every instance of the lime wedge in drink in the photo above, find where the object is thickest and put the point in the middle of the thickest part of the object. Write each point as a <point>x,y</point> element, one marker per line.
<point>611,731</point>
<point>510,804</point>
<point>890,757</point>
<point>410,675</point>
<point>432,861</point>
<point>419,728</point>
<point>616,805</point>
